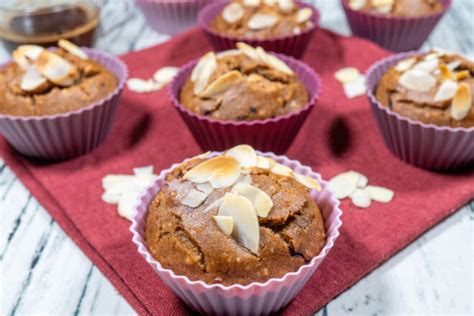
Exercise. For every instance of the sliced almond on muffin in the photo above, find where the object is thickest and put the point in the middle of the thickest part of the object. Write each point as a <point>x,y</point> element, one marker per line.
<point>33,82</point>
<point>262,21</point>
<point>417,80</point>
<point>56,69</point>
<point>72,49</point>
<point>194,198</point>
<point>221,172</point>
<point>26,55</point>
<point>260,200</point>
<point>225,223</point>
<point>247,50</point>
<point>222,83</point>
<point>307,181</point>
<point>461,102</point>
<point>244,154</point>
<point>233,13</point>
<point>203,71</point>
<point>303,15</point>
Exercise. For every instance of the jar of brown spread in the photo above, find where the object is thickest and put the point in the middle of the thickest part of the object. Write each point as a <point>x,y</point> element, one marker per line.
<point>44,22</point>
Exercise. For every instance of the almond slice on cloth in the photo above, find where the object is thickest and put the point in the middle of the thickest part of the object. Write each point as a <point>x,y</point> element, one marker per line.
<point>356,5</point>
<point>233,13</point>
<point>222,83</point>
<point>56,69</point>
<point>344,184</point>
<point>282,170</point>
<point>405,64</point>
<point>143,86</point>
<point>347,74</point>
<point>194,198</point>
<point>251,3</point>
<point>262,21</point>
<point>214,205</point>
<point>303,15</point>
<point>72,49</point>
<point>225,223</point>
<point>126,203</point>
<point>165,75</point>
<point>246,229</point>
<point>362,180</point>
<point>26,55</point>
<point>446,91</point>
<point>355,88</point>
<point>361,198</point>
<point>262,203</point>
<point>286,5</point>
<point>265,163</point>
<point>380,194</point>
<point>244,154</point>
<point>220,171</point>
<point>32,81</point>
<point>112,179</point>
<point>247,50</point>
<point>417,80</point>
<point>147,170</point>
<point>461,102</point>
<point>307,181</point>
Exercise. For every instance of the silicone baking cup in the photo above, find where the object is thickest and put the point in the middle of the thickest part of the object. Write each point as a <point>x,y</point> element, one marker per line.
<point>67,135</point>
<point>171,16</point>
<point>395,33</point>
<point>292,45</point>
<point>424,145</point>
<point>255,298</point>
<point>273,134</point>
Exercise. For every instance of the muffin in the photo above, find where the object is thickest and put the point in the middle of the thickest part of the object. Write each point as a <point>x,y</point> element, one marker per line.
<point>246,224</point>
<point>58,104</point>
<point>424,109</point>
<point>243,85</point>
<point>255,19</point>
<point>397,25</point>
<point>434,88</point>
<point>245,95</point>
<point>236,232</point>
<point>35,90</point>
<point>281,26</point>
<point>408,8</point>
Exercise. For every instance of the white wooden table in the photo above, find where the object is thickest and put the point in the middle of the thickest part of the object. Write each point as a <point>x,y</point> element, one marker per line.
<point>43,272</point>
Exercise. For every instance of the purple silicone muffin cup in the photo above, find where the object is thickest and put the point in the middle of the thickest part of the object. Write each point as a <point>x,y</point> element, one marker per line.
<point>395,33</point>
<point>291,45</point>
<point>171,17</point>
<point>273,134</point>
<point>255,298</point>
<point>67,135</point>
<point>424,145</point>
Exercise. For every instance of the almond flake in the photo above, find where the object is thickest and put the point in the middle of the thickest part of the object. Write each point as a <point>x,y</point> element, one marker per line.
<point>194,198</point>
<point>262,21</point>
<point>362,180</point>
<point>461,102</point>
<point>244,154</point>
<point>56,69</point>
<point>270,3</point>
<point>307,181</point>
<point>344,184</point>
<point>446,91</point>
<point>262,203</point>
<point>286,5</point>
<point>113,179</point>
<point>355,88</point>
<point>227,53</point>
<point>382,3</point>
<point>165,75</point>
<point>222,83</point>
<point>361,198</point>
<point>356,5</point>
<point>143,86</point>
<point>303,15</point>
<point>148,170</point>
<point>296,30</point>
<point>246,229</point>
<point>220,171</point>
<point>279,64</point>
<point>417,80</point>
<point>203,71</point>
<point>428,65</point>
<point>347,74</point>
<point>282,170</point>
<point>126,203</point>
<point>26,55</point>
<point>244,179</point>
<point>386,9</point>
<point>216,204</point>
<point>405,64</point>
<point>380,194</point>
<point>247,50</point>
<point>251,3</point>
<point>233,13</point>
<point>445,72</point>
<point>460,75</point>
<point>205,188</point>
<point>33,81</point>
<point>225,223</point>
<point>72,49</point>
<point>265,163</point>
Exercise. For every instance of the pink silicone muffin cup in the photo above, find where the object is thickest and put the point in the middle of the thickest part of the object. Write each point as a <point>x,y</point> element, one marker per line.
<point>67,135</point>
<point>424,145</point>
<point>291,45</point>
<point>393,32</point>
<point>255,298</point>
<point>273,134</point>
<point>171,16</point>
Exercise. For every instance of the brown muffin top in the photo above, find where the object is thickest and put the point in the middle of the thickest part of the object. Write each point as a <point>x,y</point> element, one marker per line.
<point>220,222</point>
<point>434,88</point>
<point>41,82</point>
<point>262,19</point>
<point>244,84</point>
<point>397,7</point>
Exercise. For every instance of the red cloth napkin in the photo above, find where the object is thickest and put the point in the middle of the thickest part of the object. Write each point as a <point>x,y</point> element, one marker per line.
<point>340,134</point>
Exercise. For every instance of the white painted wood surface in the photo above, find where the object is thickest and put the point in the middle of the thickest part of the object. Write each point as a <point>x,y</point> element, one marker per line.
<point>43,272</point>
